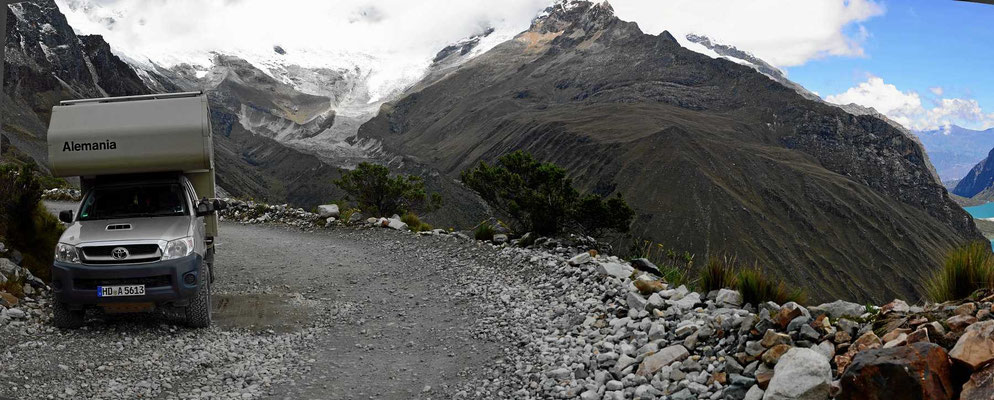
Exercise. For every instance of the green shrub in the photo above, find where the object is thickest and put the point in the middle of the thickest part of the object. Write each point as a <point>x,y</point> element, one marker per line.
<point>756,288</point>
<point>484,231</point>
<point>718,273</point>
<point>25,222</point>
<point>540,198</point>
<point>372,187</point>
<point>964,271</point>
<point>415,223</point>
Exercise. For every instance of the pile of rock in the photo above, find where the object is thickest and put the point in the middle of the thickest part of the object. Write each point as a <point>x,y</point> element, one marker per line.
<point>602,328</point>
<point>62,194</point>
<point>251,212</point>
<point>28,299</point>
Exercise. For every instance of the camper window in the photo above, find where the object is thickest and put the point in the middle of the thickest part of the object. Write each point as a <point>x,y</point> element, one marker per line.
<point>164,200</point>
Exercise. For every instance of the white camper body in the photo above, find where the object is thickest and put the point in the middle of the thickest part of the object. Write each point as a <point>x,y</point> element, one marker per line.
<point>135,135</point>
<point>142,237</point>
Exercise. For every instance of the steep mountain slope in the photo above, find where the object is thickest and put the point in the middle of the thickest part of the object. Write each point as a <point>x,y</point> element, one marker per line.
<point>955,150</point>
<point>714,156</point>
<point>47,62</point>
<point>978,184</point>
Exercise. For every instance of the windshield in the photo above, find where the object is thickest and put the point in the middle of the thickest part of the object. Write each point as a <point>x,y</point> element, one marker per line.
<point>163,200</point>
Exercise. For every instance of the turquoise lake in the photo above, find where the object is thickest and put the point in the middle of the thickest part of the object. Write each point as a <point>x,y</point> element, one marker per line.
<point>982,211</point>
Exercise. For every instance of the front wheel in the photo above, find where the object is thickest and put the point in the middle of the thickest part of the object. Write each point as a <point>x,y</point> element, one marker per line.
<point>65,318</point>
<point>198,313</point>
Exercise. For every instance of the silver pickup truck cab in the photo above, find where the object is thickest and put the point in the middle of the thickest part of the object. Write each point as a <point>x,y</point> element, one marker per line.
<point>142,238</point>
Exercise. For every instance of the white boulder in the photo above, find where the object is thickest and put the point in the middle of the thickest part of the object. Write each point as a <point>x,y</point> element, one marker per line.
<point>800,374</point>
<point>328,210</point>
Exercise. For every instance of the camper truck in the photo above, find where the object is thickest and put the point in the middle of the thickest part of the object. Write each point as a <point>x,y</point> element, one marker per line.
<point>143,236</point>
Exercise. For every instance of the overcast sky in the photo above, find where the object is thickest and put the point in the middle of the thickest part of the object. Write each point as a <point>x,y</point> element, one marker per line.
<point>832,47</point>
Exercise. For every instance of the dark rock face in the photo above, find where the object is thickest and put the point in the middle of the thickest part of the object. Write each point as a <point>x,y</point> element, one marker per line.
<point>714,156</point>
<point>979,182</point>
<point>918,371</point>
<point>116,77</point>
<point>46,62</point>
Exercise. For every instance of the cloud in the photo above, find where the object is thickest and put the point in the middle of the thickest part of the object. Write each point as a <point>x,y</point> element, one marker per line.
<point>782,32</point>
<point>937,90</point>
<point>397,37</point>
<point>906,108</point>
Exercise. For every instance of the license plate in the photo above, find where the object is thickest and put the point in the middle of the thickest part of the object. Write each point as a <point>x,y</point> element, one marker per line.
<point>124,290</point>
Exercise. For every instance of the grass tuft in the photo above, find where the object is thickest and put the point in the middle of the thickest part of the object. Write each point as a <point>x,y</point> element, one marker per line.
<point>484,232</point>
<point>718,273</point>
<point>964,271</point>
<point>757,288</point>
<point>414,223</point>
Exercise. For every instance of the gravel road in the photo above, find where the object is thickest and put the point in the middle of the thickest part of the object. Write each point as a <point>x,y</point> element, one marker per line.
<point>340,313</point>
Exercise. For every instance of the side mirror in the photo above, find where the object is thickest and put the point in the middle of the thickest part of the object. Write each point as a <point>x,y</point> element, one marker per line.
<point>65,216</point>
<point>204,208</point>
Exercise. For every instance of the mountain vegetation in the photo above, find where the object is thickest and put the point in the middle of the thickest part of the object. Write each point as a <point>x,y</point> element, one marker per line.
<point>713,156</point>
<point>540,197</point>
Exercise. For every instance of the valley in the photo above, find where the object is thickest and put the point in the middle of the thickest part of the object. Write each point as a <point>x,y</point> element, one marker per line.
<point>717,157</point>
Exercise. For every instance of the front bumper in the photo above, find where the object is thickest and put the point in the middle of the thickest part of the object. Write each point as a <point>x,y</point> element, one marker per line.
<point>75,284</point>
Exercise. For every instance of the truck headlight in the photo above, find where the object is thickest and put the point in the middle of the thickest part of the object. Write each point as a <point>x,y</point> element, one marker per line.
<point>66,253</point>
<point>178,248</point>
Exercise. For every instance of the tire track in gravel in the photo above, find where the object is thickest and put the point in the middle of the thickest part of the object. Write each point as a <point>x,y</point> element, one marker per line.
<point>333,314</point>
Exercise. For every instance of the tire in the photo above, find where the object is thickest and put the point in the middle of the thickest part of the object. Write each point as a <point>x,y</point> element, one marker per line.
<point>65,318</point>
<point>198,313</point>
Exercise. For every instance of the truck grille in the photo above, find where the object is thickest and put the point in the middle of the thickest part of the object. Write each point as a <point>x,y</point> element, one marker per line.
<point>137,253</point>
<point>149,282</point>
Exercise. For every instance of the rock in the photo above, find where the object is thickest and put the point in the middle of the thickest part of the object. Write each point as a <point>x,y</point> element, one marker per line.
<point>918,371</point>
<point>958,323</point>
<point>580,259</point>
<point>897,305</point>
<point>617,270</point>
<point>643,264</point>
<point>729,298</point>
<point>662,358</point>
<point>918,336</point>
<point>355,217</point>
<point>894,334</point>
<point>976,347</point>
<point>980,386</point>
<point>8,300</point>
<point>772,338</point>
<point>754,393</point>
<point>328,210</point>
<point>867,341</point>
<point>771,356</point>
<point>966,309</point>
<point>796,323</point>
<point>826,349</point>
<point>636,301</point>
<point>397,224</point>
<point>16,313</point>
<point>687,302</point>
<point>801,374</point>
<point>839,309</point>
<point>649,287</point>
<point>763,375</point>
<point>787,314</point>
<point>809,333</point>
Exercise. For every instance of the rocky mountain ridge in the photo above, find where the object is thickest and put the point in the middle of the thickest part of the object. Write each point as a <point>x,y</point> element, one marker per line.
<point>715,156</point>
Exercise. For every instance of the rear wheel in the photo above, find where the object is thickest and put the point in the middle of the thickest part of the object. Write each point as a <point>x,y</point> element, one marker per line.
<point>66,318</point>
<point>198,313</point>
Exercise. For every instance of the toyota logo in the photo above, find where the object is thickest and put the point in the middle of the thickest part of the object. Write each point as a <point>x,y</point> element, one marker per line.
<point>119,253</point>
